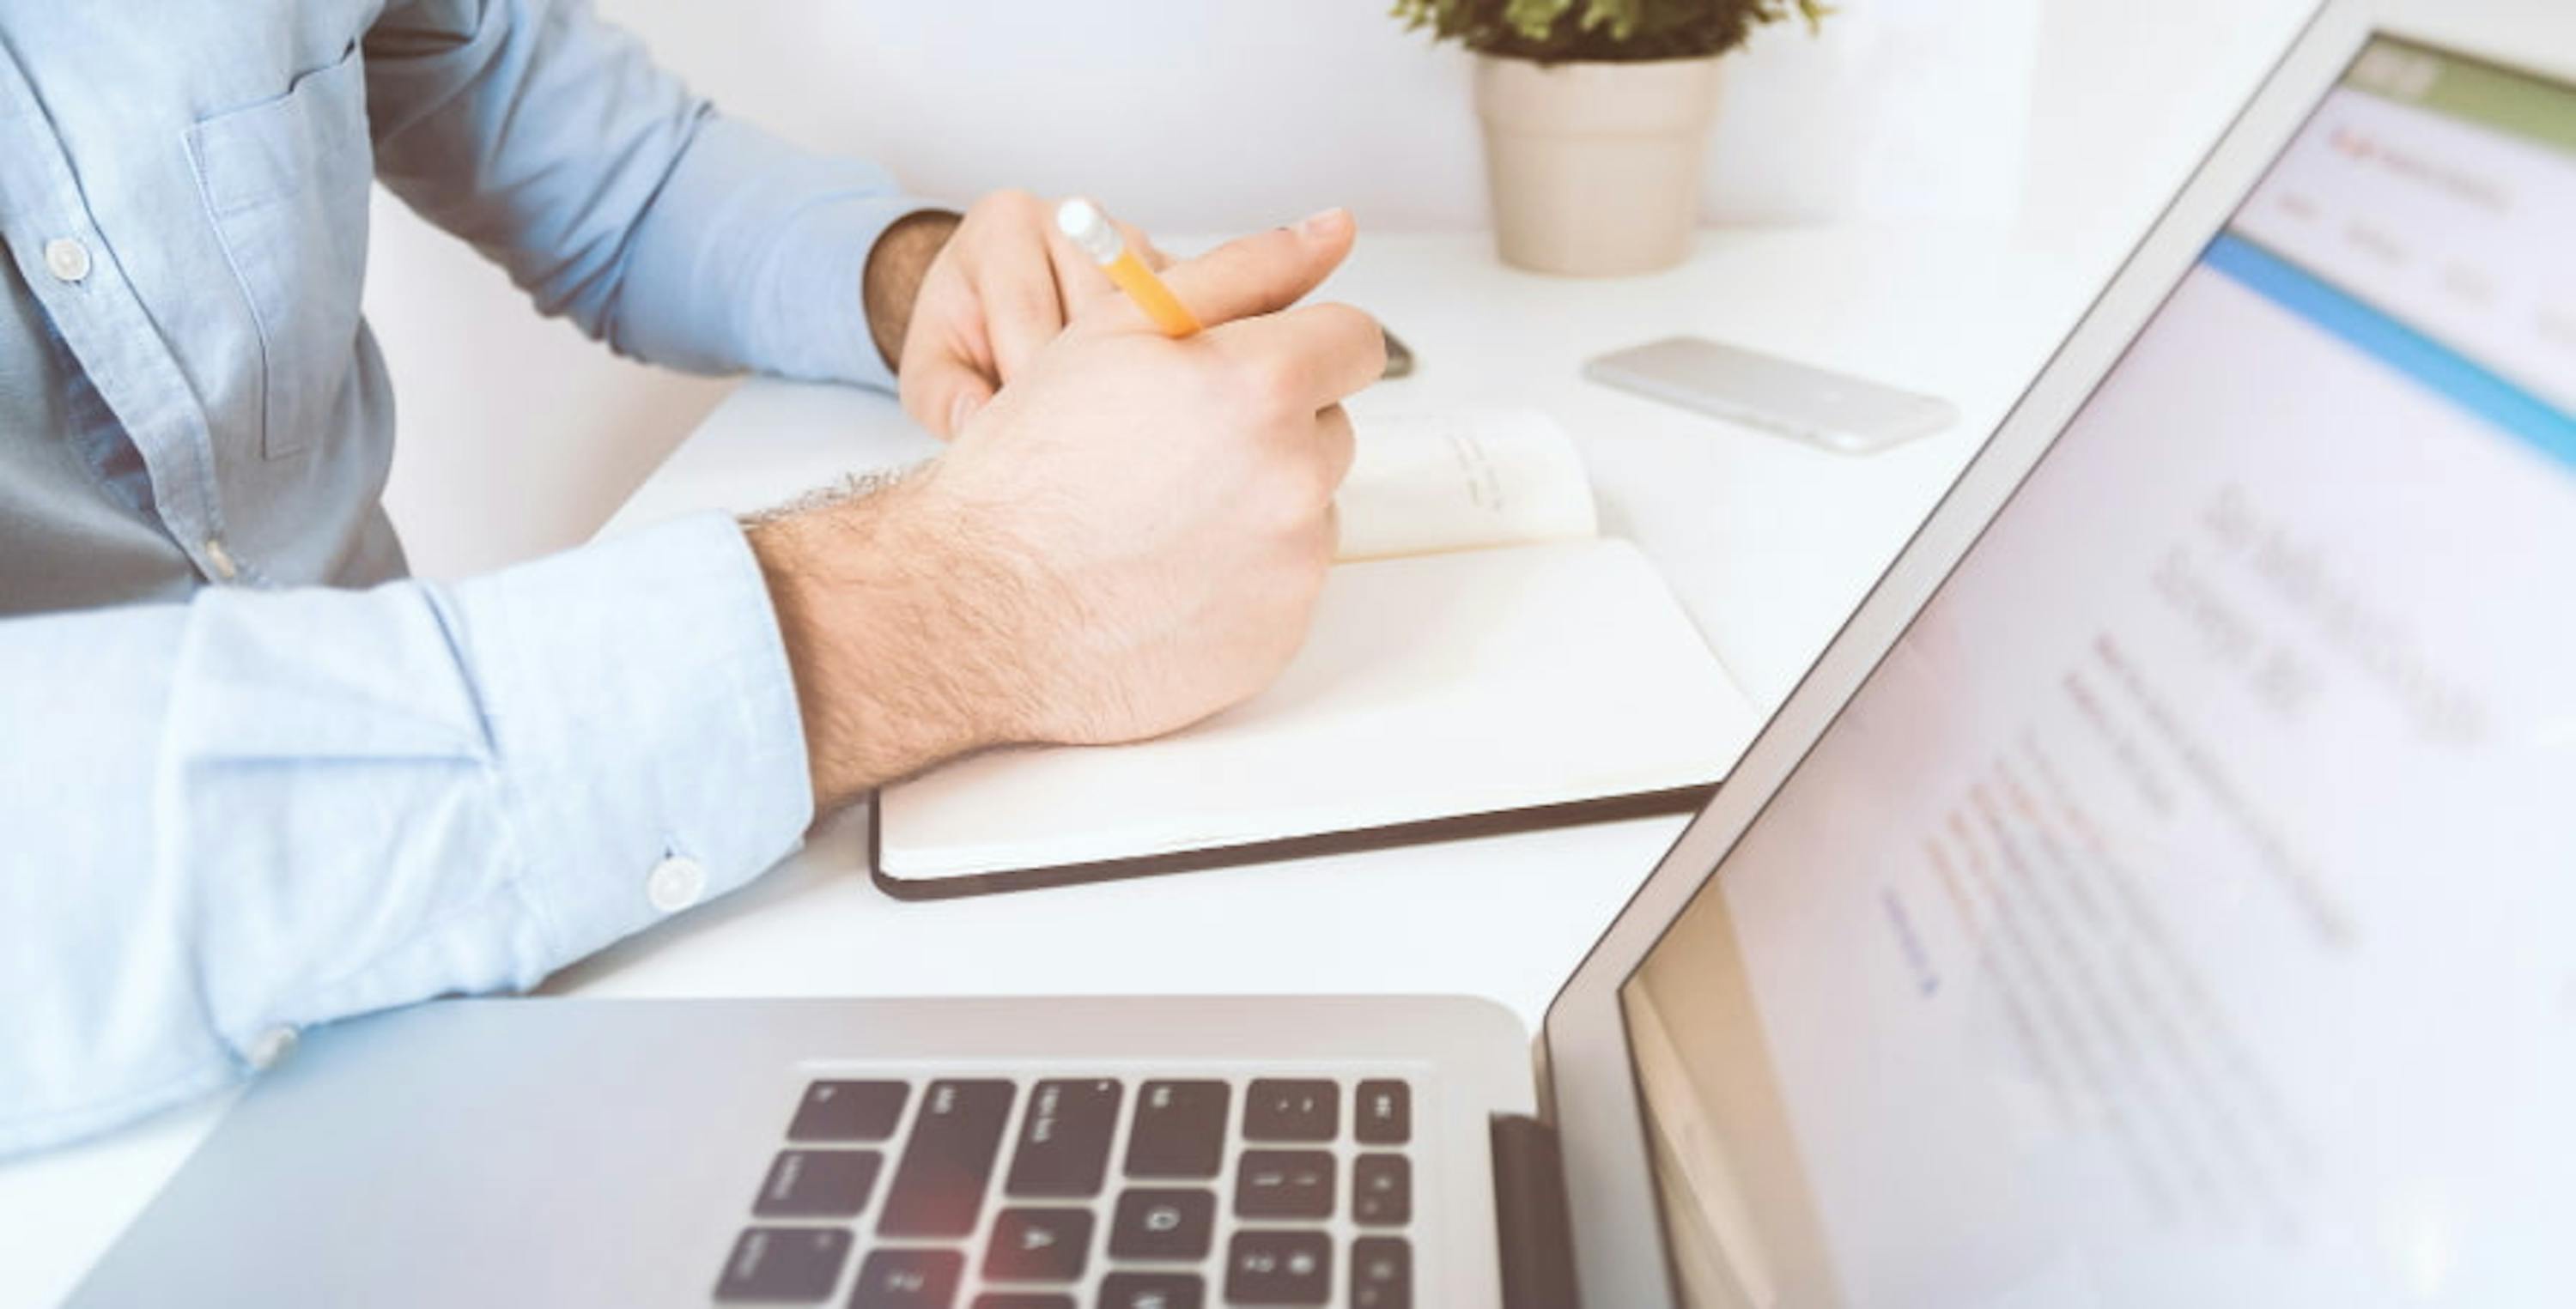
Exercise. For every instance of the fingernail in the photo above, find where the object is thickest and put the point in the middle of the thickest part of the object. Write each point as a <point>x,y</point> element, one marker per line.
<point>1325,222</point>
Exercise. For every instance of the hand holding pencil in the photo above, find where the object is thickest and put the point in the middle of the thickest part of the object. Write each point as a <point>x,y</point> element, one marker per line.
<point>965,302</point>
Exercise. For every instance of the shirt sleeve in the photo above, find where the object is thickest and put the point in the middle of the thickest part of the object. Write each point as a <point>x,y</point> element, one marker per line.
<point>616,197</point>
<point>230,819</point>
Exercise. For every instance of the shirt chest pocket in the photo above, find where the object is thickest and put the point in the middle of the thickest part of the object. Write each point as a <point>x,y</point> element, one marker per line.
<point>285,183</point>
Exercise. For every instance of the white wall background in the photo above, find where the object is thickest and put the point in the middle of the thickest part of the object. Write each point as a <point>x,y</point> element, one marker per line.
<point>2068,118</point>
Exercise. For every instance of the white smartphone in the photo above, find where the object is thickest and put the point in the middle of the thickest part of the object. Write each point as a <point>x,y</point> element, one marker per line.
<point>1833,410</point>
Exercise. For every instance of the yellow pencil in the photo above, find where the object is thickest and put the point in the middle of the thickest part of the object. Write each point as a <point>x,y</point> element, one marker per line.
<point>1093,233</point>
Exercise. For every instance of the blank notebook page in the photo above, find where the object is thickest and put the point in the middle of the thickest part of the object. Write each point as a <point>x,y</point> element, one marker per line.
<point>1429,687</point>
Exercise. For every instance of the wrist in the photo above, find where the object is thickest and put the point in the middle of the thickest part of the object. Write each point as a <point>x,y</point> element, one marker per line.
<point>891,282</point>
<point>890,618</point>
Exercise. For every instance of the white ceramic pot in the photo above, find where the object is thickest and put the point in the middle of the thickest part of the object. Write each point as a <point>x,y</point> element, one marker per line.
<point>1595,167</point>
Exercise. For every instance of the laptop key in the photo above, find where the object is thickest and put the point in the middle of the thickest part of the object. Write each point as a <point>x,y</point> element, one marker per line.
<point>848,1111</point>
<point>783,1265</point>
<point>1282,1109</point>
<point>1383,1113</point>
<point>1381,1273</point>
<point>818,1184</point>
<point>939,1187</point>
<point>1163,1225</point>
<point>1153,1223</point>
<point>1151,1291</point>
<point>1037,1245</point>
<point>1279,1268</point>
<point>1063,1151</point>
<point>1382,1190</point>
<point>1023,1300</point>
<point>1179,1130</point>
<point>908,1279</point>
<point>1284,1184</point>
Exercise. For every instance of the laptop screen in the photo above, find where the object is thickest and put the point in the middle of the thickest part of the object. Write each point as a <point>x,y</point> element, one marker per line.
<point>2184,911</point>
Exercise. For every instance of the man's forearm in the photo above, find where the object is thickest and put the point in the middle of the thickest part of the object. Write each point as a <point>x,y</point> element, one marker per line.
<point>618,199</point>
<point>897,617</point>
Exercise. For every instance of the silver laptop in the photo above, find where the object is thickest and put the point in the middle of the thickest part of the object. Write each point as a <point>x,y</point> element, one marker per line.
<point>2162,892</point>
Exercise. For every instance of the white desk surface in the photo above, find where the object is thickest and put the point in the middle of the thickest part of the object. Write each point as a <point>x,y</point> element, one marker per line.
<point>1769,543</point>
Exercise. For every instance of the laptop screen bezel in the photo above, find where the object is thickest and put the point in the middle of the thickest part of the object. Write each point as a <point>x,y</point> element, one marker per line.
<point>1587,1081</point>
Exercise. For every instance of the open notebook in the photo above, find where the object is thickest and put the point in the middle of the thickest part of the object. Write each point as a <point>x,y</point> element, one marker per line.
<point>1479,662</point>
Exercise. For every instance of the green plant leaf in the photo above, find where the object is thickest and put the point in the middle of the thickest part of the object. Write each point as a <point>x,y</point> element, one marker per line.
<point>1551,31</point>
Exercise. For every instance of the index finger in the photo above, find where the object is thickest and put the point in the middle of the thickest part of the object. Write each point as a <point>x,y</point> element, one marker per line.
<point>1023,307</point>
<point>1264,272</point>
<point>1323,352</point>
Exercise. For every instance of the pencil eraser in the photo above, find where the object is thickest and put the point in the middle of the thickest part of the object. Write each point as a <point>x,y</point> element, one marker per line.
<point>1082,223</point>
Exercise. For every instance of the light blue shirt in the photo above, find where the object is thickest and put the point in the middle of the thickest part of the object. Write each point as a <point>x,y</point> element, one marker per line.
<point>237,796</point>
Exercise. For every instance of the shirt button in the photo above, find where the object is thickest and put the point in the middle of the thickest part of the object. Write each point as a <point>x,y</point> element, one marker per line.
<point>272,1046</point>
<point>221,560</point>
<point>67,259</point>
<point>675,883</point>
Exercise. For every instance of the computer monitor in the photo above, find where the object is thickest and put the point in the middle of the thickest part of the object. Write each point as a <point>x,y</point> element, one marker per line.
<point>2184,909</point>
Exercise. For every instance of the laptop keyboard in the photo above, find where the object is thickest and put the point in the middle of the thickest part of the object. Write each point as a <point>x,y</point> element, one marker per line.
<point>1306,1179</point>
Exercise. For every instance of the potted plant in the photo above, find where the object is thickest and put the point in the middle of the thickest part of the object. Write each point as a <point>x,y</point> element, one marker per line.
<point>1596,116</point>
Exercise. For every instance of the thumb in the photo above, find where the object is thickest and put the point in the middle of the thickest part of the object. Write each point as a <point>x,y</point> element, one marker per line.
<point>941,392</point>
<point>1263,273</point>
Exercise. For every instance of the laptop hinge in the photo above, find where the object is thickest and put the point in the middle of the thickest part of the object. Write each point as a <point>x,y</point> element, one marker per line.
<point>1530,1215</point>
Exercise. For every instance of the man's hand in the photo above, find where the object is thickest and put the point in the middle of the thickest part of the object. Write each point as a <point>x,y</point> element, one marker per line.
<point>959,307</point>
<point>1129,538</point>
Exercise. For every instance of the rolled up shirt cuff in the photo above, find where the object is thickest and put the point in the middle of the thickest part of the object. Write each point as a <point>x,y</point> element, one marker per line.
<point>765,245</point>
<point>644,708</point>
<point>816,308</point>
